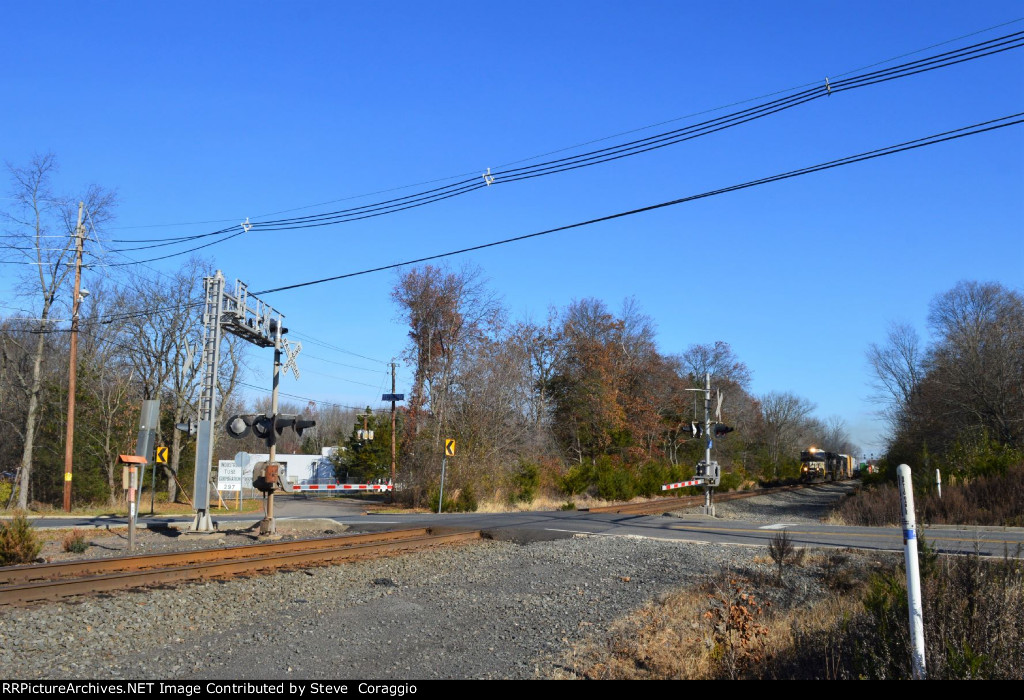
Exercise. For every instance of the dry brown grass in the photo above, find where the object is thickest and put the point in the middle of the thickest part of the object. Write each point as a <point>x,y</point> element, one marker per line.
<point>720,630</point>
<point>992,500</point>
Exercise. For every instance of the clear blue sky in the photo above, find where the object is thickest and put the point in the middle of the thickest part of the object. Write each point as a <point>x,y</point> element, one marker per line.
<point>201,112</point>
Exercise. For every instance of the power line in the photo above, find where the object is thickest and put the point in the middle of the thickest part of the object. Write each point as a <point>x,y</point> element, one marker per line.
<point>972,130</point>
<point>342,364</point>
<point>604,155</point>
<point>329,346</point>
<point>302,398</point>
<point>584,143</point>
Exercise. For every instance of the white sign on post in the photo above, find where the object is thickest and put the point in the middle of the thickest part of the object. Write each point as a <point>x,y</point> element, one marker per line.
<point>229,476</point>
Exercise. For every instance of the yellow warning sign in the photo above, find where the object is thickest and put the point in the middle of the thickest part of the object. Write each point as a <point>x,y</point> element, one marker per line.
<point>449,448</point>
<point>161,455</point>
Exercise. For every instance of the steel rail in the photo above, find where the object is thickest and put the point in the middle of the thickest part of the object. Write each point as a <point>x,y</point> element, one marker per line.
<point>84,567</point>
<point>261,560</point>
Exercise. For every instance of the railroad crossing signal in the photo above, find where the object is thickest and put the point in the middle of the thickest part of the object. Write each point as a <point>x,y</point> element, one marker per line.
<point>161,455</point>
<point>449,448</point>
<point>291,353</point>
<point>266,427</point>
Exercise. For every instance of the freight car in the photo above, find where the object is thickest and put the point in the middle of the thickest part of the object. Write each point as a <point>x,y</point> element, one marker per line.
<point>819,465</point>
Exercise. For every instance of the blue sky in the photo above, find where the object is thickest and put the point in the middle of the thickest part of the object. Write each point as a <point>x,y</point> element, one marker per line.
<point>214,112</point>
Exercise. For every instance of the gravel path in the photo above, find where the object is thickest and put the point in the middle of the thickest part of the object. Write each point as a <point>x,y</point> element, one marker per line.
<point>492,610</point>
<point>808,505</point>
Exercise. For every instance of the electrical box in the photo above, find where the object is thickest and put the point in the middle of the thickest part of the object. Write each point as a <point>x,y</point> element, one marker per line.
<point>129,478</point>
<point>710,472</point>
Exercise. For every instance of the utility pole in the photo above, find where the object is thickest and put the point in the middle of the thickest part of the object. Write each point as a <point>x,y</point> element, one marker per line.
<point>69,442</point>
<point>708,508</point>
<point>392,429</point>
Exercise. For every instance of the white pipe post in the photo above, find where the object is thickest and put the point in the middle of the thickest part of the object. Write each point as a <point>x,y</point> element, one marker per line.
<point>938,482</point>
<point>913,573</point>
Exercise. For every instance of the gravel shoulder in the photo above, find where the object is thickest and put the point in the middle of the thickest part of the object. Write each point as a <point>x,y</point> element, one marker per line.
<point>812,504</point>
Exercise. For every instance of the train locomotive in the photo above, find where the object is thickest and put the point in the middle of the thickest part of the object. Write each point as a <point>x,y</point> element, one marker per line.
<point>819,465</point>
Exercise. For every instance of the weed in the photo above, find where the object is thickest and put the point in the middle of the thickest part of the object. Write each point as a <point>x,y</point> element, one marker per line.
<point>737,631</point>
<point>784,553</point>
<point>75,542</point>
<point>18,542</point>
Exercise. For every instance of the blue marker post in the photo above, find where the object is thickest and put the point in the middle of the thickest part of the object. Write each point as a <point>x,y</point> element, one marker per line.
<point>913,573</point>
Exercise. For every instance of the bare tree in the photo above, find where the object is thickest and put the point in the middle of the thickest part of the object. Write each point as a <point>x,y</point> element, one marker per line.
<point>978,358</point>
<point>718,360</point>
<point>39,230</point>
<point>782,416</point>
<point>898,367</point>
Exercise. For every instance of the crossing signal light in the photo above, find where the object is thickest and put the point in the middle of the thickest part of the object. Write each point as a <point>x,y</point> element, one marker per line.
<point>301,424</point>
<point>238,426</point>
<point>189,428</point>
<point>263,428</point>
<point>267,427</point>
<point>696,429</point>
<point>722,429</point>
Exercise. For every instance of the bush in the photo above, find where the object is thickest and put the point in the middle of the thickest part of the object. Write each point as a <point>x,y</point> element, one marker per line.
<point>466,500</point>
<point>18,542</point>
<point>973,626</point>
<point>991,500</point>
<point>615,482</point>
<point>75,542</point>
<point>526,482</point>
<point>577,479</point>
<point>732,479</point>
<point>447,507</point>
<point>652,477</point>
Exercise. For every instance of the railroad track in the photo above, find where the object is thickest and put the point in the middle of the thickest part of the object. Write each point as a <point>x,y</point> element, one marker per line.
<point>37,582</point>
<point>664,505</point>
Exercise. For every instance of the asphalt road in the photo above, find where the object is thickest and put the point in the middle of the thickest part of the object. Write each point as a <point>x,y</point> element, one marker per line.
<point>992,541</point>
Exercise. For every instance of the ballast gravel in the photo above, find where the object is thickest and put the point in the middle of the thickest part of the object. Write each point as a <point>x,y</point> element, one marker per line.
<point>488,610</point>
<point>811,504</point>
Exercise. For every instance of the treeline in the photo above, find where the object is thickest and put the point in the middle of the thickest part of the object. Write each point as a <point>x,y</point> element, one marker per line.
<point>139,337</point>
<point>581,402</point>
<point>956,403</point>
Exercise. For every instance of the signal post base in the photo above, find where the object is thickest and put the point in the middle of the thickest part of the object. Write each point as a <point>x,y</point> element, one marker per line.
<point>708,508</point>
<point>202,524</point>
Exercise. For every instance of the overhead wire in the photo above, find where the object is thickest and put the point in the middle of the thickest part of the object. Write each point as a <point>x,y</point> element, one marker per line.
<point>596,140</point>
<point>603,155</point>
<point>961,132</point>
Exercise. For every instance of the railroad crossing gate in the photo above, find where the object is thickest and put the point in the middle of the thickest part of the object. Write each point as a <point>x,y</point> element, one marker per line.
<point>449,448</point>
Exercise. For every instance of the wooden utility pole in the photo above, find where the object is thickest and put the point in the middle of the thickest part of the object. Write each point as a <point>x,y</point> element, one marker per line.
<point>73,370</point>
<point>392,429</point>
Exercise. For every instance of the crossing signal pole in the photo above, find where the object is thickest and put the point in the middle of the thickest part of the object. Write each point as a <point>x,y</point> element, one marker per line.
<point>253,320</point>
<point>708,471</point>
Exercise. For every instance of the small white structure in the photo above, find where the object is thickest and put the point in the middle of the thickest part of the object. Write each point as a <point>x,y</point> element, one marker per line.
<point>296,470</point>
